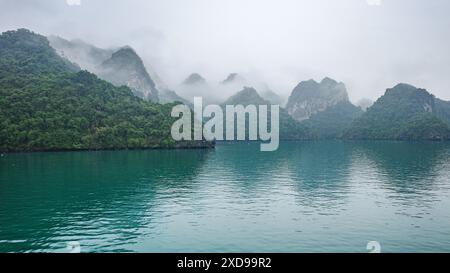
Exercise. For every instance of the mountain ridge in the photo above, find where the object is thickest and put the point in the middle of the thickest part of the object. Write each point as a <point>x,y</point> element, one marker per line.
<point>194,79</point>
<point>99,61</point>
<point>404,112</point>
<point>48,104</point>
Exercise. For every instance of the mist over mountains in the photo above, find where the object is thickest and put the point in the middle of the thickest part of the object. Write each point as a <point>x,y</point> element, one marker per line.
<point>119,66</point>
<point>48,104</point>
<point>117,104</point>
<point>123,66</point>
<point>322,126</point>
<point>369,48</point>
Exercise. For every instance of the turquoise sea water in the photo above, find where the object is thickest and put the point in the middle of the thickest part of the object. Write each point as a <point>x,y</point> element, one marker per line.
<point>324,196</point>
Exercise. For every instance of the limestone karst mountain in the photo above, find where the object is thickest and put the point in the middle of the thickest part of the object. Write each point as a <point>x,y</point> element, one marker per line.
<point>323,107</point>
<point>120,66</point>
<point>247,96</point>
<point>404,112</point>
<point>125,67</point>
<point>48,104</point>
<point>311,97</point>
<point>194,79</point>
<point>195,85</point>
<point>234,78</point>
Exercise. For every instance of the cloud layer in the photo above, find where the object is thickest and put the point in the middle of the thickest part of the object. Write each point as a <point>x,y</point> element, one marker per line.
<point>368,44</point>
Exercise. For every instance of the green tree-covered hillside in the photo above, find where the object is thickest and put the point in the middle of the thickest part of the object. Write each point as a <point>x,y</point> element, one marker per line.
<point>46,103</point>
<point>403,113</point>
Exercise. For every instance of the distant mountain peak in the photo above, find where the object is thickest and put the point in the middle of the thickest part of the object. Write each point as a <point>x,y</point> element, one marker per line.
<point>310,82</point>
<point>310,97</point>
<point>126,50</point>
<point>248,95</point>
<point>249,90</point>
<point>233,78</point>
<point>403,112</point>
<point>328,81</point>
<point>128,56</point>
<point>404,86</point>
<point>194,78</point>
<point>121,66</point>
<point>125,67</point>
<point>405,89</point>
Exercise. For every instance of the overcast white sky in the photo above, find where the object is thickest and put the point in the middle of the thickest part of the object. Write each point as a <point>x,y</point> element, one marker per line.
<point>369,44</point>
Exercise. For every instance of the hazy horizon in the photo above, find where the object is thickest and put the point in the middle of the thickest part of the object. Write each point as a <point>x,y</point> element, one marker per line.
<point>370,45</point>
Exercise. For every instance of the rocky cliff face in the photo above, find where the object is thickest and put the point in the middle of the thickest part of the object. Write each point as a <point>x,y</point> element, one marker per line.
<point>117,66</point>
<point>125,67</point>
<point>311,97</point>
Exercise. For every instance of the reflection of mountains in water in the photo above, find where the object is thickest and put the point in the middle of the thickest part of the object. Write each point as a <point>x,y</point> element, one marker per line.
<point>410,167</point>
<point>323,171</point>
<point>115,189</point>
<point>122,193</point>
<point>312,168</point>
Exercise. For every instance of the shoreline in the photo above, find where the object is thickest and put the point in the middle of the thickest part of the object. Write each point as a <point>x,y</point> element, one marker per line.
<point>175,147</point>
<point>212,145</point>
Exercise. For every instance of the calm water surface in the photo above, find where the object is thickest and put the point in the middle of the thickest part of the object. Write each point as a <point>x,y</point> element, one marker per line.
<point>306,197</point>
